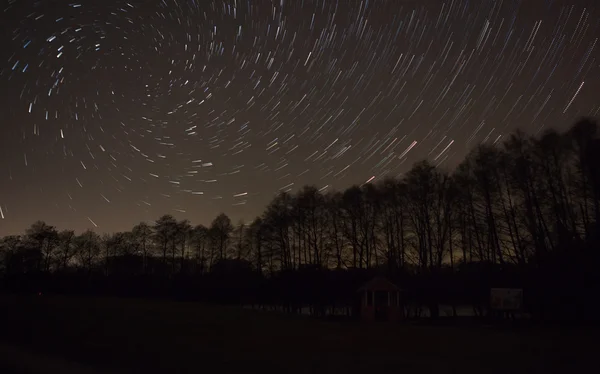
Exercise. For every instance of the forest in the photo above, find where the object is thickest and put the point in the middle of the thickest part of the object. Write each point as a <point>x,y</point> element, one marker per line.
<point>524,212</point>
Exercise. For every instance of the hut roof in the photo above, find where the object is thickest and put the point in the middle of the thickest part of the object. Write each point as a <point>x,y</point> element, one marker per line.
<point>379,284</point>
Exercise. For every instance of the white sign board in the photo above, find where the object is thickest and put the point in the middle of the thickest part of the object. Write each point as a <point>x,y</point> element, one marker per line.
<point>506,298</point>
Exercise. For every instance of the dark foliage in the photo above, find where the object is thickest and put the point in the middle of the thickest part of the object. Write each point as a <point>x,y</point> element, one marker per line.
<point>523,213</point>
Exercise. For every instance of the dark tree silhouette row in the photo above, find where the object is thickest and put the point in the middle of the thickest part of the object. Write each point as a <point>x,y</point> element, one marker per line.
<point>522,213</point>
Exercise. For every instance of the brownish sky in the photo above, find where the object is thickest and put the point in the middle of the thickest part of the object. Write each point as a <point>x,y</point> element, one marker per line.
<point>115,112</point>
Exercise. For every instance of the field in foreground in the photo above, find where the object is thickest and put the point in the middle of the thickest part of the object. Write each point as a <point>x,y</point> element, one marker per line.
<point>141,336</point>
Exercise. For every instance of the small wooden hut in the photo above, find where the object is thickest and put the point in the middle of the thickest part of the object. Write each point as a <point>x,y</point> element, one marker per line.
<point>380,301</point>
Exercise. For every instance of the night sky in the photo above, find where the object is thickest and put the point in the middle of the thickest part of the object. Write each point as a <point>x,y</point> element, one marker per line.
<point>115,112</point>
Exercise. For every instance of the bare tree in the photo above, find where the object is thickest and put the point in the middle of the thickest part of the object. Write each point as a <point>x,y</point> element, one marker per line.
<point>88,249</point>
<point>200,240</point>
<point>164,233</point>
<point>184,231</point>
<point>255,238</point>
<point>66,247</point>
<point>278,218</point>
<point>221,229</point>
<point>142,235</point>
<point>44,239</point>
<point>9,248</point>
<point>333,203</point>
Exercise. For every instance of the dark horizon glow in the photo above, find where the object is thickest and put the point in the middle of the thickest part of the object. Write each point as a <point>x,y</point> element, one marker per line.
<point>116,112</point>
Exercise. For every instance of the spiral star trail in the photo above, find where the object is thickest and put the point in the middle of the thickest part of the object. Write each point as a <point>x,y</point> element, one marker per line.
<point>116,112</point>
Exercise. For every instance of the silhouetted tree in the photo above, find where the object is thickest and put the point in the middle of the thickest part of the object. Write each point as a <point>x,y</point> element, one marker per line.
<point>278,219</point>
<point>66,248</point>
<point>10,248</point>
<point>87,247</point>
<point>200,240</point>
<point>333,203</point>
<point>221,229</point>
<point>255,238</point>
<point>141,239</point>
<point>43,238</point>
<point>165,229</point>
<point>524,212</point>
<point>184,231</point>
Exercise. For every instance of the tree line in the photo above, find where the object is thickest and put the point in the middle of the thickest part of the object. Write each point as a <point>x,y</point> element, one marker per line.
<point>524,212</point>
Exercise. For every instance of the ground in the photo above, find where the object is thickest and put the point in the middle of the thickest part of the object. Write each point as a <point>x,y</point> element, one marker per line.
<point>141,336</point>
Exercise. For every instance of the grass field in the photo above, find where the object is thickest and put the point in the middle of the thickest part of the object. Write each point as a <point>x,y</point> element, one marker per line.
<point>125,335</point>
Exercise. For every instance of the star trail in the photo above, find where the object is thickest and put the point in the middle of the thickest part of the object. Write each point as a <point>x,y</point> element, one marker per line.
<point>114,112</point>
